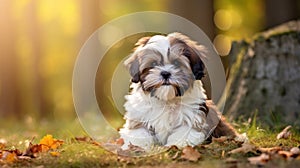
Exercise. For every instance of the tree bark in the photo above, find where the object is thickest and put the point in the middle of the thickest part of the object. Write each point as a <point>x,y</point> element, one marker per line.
<point>265,77</point>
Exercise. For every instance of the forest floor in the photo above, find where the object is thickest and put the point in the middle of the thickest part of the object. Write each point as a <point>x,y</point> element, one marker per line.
<point>65,144</point>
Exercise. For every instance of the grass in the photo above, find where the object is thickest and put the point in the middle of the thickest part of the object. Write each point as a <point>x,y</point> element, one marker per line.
<point>84,154</point>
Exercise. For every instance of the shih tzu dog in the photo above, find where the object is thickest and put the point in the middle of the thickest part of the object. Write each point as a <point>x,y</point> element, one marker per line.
<point>167,104</point>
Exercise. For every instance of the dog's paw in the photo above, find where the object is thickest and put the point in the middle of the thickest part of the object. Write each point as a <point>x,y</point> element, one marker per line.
<point>185,136</point>
<point>136,137</point>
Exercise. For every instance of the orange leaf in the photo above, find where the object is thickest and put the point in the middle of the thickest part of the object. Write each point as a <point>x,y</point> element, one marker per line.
<point>55,154</point>
<point>48,142</point>
<point>2,146</point>
<point>33,150</point>
<point>120,141</point>
<point>191,154</point>
<point>8,157</point>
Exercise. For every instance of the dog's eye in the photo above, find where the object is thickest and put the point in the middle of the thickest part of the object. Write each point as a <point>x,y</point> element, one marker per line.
<point>154,63</point>
<point>176,62</point>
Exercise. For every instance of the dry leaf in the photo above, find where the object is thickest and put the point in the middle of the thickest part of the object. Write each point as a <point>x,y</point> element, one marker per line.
<point>8,157</point>
<point>48,142</point>
<point>270,150</point>
<point>33,150</point>
<point>55,154</point>
<point>285,154</point>
<point>2,143</point>
<point>120,141</point>
<point>191,154</point>
<point>24,158</point>
<point>246,147</point>
<point>83,139</point>
<point>285,133</point>
<point>88,140</point>
<point>220,139</point>
<point>259,160</point>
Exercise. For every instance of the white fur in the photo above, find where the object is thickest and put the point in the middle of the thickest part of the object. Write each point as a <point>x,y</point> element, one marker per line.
<point>160,43</point>
<point>172,120</point>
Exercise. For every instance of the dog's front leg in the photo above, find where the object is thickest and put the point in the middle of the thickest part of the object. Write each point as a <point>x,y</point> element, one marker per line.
<point>137,137</point>
<point>184,136</point>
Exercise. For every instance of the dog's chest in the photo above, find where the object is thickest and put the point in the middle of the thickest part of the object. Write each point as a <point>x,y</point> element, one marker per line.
<point>163,117</point>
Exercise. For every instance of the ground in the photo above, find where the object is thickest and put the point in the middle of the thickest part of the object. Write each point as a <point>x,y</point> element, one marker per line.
<point>78,150</point>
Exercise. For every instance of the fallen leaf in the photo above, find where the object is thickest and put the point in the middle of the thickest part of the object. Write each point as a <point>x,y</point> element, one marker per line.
<point>246,147</point>
<point>220,139</point>
<point>24,158</point>
<point>270,150</point>
<point>8,157</point>
<point>259,160</point>
<point>88,140</point>
<point>32,150</point>
<point>48,142</point>
<point>55,154</point>
<point>2,143</point>
<point>285,133</point>
<point>120,141</point>
<point>83,139</point>
<point>96,143</point>
<point>191,154</point>
<point>285,154</point>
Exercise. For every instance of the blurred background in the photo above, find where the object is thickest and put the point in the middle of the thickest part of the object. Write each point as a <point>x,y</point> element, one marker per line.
<point>40,40</point>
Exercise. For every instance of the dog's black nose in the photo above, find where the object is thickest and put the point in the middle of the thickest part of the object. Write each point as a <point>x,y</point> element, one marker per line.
<point>165,74</point>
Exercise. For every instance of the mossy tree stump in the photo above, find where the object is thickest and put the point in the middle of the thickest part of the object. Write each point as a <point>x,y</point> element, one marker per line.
<point>265,77</point>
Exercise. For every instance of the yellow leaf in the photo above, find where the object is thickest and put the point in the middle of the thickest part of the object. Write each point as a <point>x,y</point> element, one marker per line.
<point>9,157</point>
<point>48,142</point>
<point>55,154</point>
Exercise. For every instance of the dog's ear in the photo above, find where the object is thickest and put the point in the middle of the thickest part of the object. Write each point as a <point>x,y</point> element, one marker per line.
<point>132,63</point>
<point>194,52</point>
<point>142,41</point>
<point>196,63</point>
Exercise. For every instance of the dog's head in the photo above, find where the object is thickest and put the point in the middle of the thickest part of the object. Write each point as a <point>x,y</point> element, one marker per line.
<point>166,66</point>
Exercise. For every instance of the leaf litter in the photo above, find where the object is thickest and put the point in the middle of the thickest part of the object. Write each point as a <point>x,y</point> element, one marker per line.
<point>225,149</point>
<point>46,144</point>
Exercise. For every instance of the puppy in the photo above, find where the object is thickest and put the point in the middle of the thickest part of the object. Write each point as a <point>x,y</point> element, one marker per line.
<point>167,104</point>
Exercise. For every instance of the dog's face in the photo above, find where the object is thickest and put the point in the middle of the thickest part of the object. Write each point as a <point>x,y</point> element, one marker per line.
<point>166,66</point>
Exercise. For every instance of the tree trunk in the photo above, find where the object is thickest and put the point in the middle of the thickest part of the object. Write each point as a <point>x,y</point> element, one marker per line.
<point>9,74</point>
<point>279,11</point>
<point>265,77</point>
<point>41,105</point>
<point>200,13</point>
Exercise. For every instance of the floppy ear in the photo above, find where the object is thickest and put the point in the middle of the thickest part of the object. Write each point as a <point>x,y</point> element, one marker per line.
<point>196,63</point>
<point>194,52</point>
<point>132,63</point>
